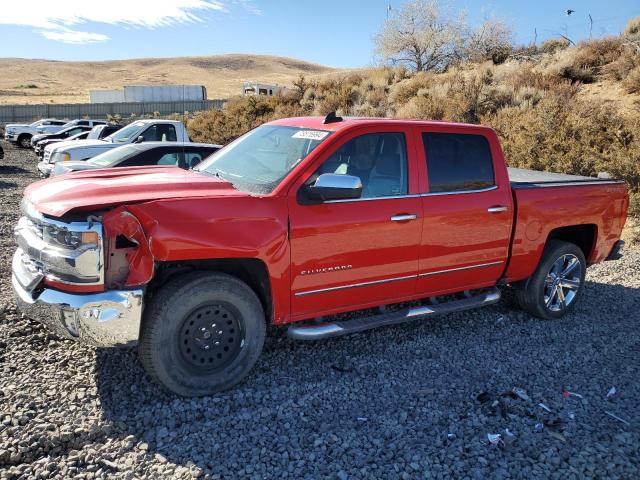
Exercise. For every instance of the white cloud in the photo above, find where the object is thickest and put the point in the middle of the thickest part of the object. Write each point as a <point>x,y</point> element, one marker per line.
<point>74,36</point>
<point>53,19</point>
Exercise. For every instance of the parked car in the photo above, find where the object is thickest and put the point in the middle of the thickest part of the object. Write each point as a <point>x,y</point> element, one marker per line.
<point>184,155</point>
<point>97,132</point>
<point>300,219</point>
<point>78,122</point>
<point>21,133</point>
<point>60,135</point>
<point>39,148</point>
<point>136,132</point>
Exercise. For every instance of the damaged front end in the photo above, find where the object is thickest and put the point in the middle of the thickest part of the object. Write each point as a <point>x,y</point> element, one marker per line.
<point>60,270</point>
<point>129,260</point>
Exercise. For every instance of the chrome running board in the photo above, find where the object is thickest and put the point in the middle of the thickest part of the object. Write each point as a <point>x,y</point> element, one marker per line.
<point>344,327</point>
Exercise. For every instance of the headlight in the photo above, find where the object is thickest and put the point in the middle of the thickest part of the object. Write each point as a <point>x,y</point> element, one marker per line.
<point>11,131</point>
<point>68,239</point>
<point>59,157</point>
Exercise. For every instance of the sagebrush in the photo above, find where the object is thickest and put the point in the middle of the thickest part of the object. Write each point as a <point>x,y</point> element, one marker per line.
<point>539,101</point>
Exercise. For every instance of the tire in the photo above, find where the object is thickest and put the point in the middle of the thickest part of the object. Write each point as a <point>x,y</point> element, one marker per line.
<point>202,333</point>
<point>554,289</point>
<point>24,140</point>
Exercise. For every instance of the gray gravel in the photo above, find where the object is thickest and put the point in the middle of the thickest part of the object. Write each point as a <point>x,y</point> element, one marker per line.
<point>412,401</point>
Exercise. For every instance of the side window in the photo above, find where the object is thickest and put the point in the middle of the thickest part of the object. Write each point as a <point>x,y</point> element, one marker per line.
<point>191,159</point>
<point>160,133</point>
<point>83,122</point>
<point>168,159</point>
<point>457,162</point>
<point>378,159</point>
<point>140,159</point>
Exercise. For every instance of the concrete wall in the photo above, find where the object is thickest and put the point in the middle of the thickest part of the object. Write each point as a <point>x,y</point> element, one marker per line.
<point>30,113</point>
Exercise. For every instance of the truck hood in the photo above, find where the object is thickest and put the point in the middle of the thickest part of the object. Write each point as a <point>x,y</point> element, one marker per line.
<point>91,143</point>
<point>95,189</point>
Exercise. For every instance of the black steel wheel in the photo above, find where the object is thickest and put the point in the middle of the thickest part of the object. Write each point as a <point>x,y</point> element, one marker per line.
<point>211,337</point>
<point>202,333</point>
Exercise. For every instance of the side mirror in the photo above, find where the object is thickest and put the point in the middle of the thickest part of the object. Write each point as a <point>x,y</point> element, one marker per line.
<point>140,139</point>
<point>331,186</point>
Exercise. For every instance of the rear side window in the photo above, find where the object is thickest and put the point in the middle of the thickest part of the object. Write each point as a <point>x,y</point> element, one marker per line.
<point>457,162</point>
<point>160,133</point>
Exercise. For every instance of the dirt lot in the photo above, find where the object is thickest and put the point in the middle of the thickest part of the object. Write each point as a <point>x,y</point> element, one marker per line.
<point>412,401</point>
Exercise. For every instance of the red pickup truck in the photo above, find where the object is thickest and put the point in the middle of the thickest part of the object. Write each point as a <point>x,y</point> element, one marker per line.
<point>297,221</point>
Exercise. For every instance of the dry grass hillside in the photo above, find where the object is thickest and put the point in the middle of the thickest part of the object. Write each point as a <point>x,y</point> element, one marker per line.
<point>48,81</point>
<point>573,109</point>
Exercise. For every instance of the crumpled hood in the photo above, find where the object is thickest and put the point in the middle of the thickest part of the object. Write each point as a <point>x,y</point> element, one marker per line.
<point>87,190</point>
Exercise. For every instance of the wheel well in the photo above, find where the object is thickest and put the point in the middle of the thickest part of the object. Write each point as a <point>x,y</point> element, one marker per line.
<point>251,271</point>
<point>584,236</point>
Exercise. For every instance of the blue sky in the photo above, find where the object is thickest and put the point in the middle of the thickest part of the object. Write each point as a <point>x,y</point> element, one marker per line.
<point>332,32</point>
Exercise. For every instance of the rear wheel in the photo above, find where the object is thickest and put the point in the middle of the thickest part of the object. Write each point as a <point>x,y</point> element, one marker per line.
<point>202,333</point>
<point>24,140</point>
<point>556,285</point>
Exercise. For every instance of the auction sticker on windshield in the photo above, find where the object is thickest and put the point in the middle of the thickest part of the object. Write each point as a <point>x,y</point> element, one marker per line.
<point>310,134</point>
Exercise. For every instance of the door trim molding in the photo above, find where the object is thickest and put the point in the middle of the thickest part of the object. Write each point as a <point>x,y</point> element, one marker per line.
<point>354,285</point>
<point>459,269</point>
<point>395,279</point>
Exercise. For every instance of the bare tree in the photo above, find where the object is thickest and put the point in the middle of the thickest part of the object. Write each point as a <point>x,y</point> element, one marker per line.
<point>492,40</point>
<point>421,36</point>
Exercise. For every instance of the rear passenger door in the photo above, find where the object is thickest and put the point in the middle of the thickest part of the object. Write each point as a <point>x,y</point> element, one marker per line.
<point>467,212</point>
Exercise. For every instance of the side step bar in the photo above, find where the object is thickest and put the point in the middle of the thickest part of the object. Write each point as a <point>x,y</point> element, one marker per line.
<point>335,329</point>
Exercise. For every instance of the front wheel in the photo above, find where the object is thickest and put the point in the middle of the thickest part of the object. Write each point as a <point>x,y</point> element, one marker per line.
<point>556,285</point>
<point>24,140</point>
<point>202,333</point>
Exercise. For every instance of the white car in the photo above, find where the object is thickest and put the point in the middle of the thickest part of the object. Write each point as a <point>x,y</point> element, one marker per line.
<point>21,133</point>
<point>78,122</point>
<point>136,132</point>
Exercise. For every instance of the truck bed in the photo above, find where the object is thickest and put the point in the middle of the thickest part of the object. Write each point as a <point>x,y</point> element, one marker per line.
<point>523,178</point>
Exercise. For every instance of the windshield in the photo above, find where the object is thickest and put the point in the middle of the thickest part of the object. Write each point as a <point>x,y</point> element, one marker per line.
<point>258,161</point>
<point>110,156</point>
<point>125,134</point>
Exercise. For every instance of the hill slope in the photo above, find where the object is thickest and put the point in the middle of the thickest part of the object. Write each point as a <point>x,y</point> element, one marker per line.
<point>59,81</point>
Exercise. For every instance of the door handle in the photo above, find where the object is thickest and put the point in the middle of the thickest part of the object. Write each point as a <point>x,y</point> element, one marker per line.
<point>497,209</point>
<point>405,217</point>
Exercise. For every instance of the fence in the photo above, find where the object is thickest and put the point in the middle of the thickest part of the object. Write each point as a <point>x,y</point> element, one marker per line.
<point>30,113</point>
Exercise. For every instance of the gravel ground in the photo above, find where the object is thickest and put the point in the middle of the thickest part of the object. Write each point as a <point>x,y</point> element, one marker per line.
<point>412,401</point>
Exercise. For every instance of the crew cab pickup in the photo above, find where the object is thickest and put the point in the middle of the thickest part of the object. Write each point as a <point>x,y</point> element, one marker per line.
<point>136,132</point>
<point>297,221</point>
<point>21,133</point>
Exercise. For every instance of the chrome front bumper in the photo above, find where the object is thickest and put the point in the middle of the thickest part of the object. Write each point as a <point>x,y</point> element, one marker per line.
<point>107,319</point>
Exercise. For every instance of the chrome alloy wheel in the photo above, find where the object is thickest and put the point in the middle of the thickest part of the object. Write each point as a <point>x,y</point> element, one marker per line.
<point>562,283</point>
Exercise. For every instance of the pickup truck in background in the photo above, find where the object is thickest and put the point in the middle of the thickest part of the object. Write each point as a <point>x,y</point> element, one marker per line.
<point>136,132</point>
<point>296,221</point>
<point>21,133</point>
<point>73,123</point>
<point>96,133</point>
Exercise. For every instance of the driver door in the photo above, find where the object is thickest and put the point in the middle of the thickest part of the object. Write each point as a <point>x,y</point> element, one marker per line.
<point>355,253</point>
